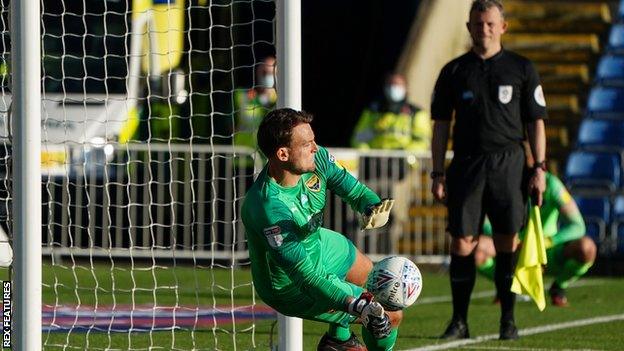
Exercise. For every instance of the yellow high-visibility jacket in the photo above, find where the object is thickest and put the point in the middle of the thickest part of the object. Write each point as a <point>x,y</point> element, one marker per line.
<point>393,126</point>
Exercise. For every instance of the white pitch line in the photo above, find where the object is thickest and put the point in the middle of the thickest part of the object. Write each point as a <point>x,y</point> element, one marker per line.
<point>488,293</point>
<point>525,348</point>
<point>527,331</point>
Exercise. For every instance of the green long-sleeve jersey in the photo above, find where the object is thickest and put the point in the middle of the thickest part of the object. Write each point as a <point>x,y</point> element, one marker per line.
<point>282,227</point>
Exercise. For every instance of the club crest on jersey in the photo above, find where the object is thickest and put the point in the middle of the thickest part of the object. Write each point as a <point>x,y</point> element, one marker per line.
<point>505,93</point>
<point>274,236</point>
<point>314,183</point>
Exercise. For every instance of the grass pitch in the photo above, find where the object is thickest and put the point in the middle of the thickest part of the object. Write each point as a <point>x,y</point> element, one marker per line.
<point>594,320</point>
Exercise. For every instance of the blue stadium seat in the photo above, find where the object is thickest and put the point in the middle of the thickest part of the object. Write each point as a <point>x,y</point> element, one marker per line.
<point>593,170</point>
<point>610,71</point>
<point>620,238</point>
<point>606,102</point>
<point>596,213</point>
<point>617,223</point>
<point>616,39</point>
<point>618,208</point>
<point>601,135</point>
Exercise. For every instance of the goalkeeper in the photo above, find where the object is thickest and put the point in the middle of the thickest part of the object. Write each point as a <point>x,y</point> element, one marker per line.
<point>569,251</point>
<point>300,268</point>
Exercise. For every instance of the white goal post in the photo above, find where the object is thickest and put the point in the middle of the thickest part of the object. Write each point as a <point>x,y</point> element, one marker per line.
<point>289,84</point>
<point>26,119</point>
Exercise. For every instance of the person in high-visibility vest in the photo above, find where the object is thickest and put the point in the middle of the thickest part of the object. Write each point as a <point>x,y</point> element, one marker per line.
<point>250,106</point>
<point>392,122</point>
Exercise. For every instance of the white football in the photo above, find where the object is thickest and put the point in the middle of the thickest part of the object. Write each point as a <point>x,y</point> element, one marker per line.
<point>395,282</point>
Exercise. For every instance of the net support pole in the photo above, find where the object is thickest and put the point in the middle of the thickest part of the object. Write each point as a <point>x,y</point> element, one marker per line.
<point>288,23</point>
<point>26,141</point>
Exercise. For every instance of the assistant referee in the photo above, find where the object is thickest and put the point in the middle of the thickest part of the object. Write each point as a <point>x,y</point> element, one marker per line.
<point>495,96</point>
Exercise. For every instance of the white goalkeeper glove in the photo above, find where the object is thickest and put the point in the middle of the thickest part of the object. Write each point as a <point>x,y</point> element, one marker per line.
<point>377,216</point>
<point>371,314</point>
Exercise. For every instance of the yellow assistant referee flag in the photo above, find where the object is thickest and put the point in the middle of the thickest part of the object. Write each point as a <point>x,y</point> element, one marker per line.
<point>528,276</point>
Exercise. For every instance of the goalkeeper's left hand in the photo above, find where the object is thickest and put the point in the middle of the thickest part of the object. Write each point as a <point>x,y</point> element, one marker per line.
<point>371,314</point>
<point>377,216</point>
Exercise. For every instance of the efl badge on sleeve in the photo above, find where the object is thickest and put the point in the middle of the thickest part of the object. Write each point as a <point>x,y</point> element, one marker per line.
<point>505,93</point>
<point>274,236</point>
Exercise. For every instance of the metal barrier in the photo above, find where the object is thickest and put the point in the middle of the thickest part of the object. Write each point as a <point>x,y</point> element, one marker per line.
<point>176,201</point>
<point>418,224</point>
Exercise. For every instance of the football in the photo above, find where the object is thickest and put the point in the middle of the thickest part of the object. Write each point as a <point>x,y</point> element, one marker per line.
<point>395,282</point>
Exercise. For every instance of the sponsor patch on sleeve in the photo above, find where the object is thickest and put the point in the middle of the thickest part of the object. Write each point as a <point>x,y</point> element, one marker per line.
<point>565,197</point>
<point>538,95</point>
<point>274,236</point>
<point>333,160</point>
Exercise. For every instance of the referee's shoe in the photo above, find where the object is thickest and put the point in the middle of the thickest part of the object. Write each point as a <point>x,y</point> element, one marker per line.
<point>457,329</point>
<point>508,330</point>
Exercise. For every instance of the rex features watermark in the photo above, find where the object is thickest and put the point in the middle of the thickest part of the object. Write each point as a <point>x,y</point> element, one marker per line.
<point>6,315</point>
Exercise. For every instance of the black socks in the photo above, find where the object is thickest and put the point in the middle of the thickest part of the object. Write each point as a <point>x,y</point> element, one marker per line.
<point>503,277</point>
<point>463,274</point>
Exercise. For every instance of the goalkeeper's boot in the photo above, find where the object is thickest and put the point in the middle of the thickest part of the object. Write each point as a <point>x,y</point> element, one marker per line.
<point>457,329</point>
<point>508,330</point>
<point>328,343</point>
<point>557,296</point>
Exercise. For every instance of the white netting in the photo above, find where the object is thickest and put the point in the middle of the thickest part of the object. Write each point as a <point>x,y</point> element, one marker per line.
<point>143,246</point>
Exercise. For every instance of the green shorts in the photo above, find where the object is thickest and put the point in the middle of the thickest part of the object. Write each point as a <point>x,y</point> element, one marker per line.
<point>337,256</point>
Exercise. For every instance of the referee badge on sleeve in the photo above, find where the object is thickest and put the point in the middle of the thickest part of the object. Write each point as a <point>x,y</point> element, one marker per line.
<point>505,93</point>
<point>274,236</point>
<point>539,96</point>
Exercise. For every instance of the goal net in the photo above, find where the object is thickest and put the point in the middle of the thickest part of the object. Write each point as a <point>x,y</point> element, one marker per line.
<point>145,165</point>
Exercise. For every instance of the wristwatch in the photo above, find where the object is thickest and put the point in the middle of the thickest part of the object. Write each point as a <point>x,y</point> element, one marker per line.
<point>541,164</point>
<point>435,174</point>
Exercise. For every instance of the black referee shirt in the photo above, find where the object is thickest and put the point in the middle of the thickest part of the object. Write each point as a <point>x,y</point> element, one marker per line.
<point>492,99</point>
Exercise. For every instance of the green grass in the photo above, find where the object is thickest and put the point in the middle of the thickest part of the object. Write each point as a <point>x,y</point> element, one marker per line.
<point>183,285</point>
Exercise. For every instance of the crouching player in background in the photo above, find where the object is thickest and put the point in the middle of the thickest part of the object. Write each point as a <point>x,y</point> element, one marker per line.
<point>569,251</point>
<point>300,268</point>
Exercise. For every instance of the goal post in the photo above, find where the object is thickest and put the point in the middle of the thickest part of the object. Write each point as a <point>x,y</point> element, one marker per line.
<point>26,122</point>
<point>289,86</point>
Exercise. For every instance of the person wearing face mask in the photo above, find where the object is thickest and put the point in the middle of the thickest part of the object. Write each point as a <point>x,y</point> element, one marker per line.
<point>391,122</point>
<point>250,106</point>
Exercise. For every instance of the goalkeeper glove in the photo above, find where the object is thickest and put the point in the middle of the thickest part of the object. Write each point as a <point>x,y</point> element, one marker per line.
<point>376,216</point>
<point>371,314</point>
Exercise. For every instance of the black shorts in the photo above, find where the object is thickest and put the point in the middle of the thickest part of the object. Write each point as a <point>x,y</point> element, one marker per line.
<point>493,184</point>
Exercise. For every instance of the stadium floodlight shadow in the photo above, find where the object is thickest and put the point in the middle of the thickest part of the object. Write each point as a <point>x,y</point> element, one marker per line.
<point>610,71</point>
<point>616,39</point>
<point>606,102</point>
<point>596,211</point>
<point>593,171</point>
<point>599,134</point>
